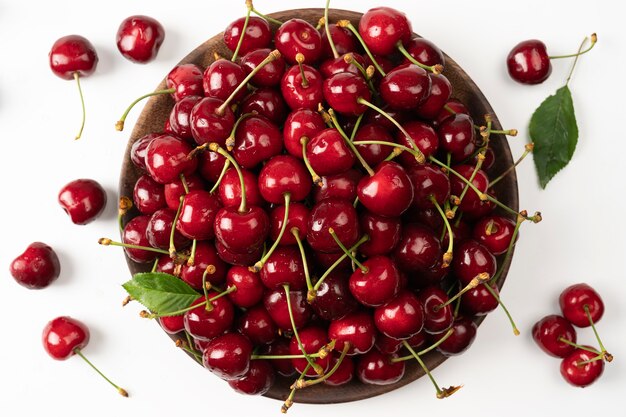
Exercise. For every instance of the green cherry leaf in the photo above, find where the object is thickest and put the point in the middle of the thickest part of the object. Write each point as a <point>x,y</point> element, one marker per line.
<point>554,132</point>
<point>161,293</point>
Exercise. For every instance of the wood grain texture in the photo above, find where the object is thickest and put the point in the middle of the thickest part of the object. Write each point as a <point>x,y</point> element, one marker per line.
<point>157,110</point>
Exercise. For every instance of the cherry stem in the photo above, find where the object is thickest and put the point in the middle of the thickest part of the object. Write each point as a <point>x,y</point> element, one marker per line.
<point>123,206</point>
<point>120,390</point>
<point>577,346</point>
<point>506,311</point>
<point>300,60</point>
<point>155,264</point>
<point>183,345</point>
<point>349,59</point>
<point>257,266</point>
<point>317,285</point>
<point>221,177</point>
<point>230,140</point>
<point>428,349</point>
<point>172,250</point>
<point>357,124</point>
<point>594,359</point>
<point>82,104</point>
<point>420,156</point>
<point>350,144</point>
<point>255,11</point>
<point>362,267</point>
<point>347,24</point>
<point>289,401</point>
<point>528,148</point>
<point>509,250</point>
<point>270,57</point>
<point>475,282</point>
<point>318,369</point>
<point>242,33</point>
<point>400,148</point>
<point>296,234</point>
<point>605,354</point>
<point>303,384</point>
<point>119,125</point>
<point>447,257</point>
<point>210,270</point>
<point>435,69</point>
<point>192,254</point>
<point>108,242</point>
<point>317,180</point>
<point>594,39</point>
<point>423,365</point>
<point>510,132</point>
<point>330,38</point>
<point>278,357</point>
<point>215,147</point>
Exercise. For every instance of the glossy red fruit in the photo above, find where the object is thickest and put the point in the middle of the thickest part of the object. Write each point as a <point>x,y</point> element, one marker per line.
<point>37,267</point>
<point>206,260</point>
<point>148,195</point>
<point>461,338</point>
<point>357,329</point>
<point>337,65</point>
<point>429,182</point>
<point>257,325</point>
<point>267,102</point>
<point>256,140</point>
<point>528,62</point>
<point>342,91</point>
<point>166,159</point>
<point>383,232</point>
<point>172,324</point>
<point>230,188</point>
<point>280,346</point>
<point>139,38</point>
<point>206,325</point>
<point>275,302</point>
<point>228,356</point>
<point>440,91</point>
<point>470,259</point>
<point>376,368</point>
<point>405,87</point>
<point>388,192</point>
<point>186,80</point>
<point>249,286</point>
<point>373,154</point>
<point>581,375</point>
<point>382,28</point>
<point>337,214</point>
<point>71,55</point>
<point>424,52</point>
<point>63,336</point>
<point>341,186</point>
<point>208,126</point>
<point>573,301</point>
<point>298,218</point>
<point>284,174</point>
<point>548,331</point>
<point>343,374</point>
<point>401,317</point>
<point>329,154</point>
<point>211,165</point>
<point>138,150</point>
<point>418,249</point>
<point>423,136</point>
<point>175,189</point>
<point>235,258</point>
<point>284,266</point>
<point>83,200</point>
<point>313,339</point>
<point>495,232</point>
<point>222,78</point>
<point>301,94</point>
<point>298,36</point>
<point>437,319</point>
<point>270,74</point>
<point>197,215</point>
<point>333,299</point>
<point>471,201</point>
<point>241,232</point>
<point>134,233</point>
<point>258,34</point>
<point>344,41</point>
<point>378,285</point>
<point>479,301</point>
<point>160,228</point>
<point>257,381</point>
<point>456,136</point>
<point>301,123</point>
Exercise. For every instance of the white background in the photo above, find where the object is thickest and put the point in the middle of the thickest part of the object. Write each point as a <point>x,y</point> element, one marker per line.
<point>581,238</point>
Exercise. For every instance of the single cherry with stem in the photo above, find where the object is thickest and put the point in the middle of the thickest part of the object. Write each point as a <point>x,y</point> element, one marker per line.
<point>555,335</point>
<point>83,200</point>
<point>582,367</point>
<point>139,38</point>
<point>37,267</point>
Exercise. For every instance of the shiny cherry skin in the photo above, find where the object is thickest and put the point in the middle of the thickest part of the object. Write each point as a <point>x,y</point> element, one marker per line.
<point>221,78</point>
<point>228,356</point>
<point>284,174</point>
<point>298,218</point>
<point>383,232</point>
<point>405,87</point>
<point>236,258</point>
<point>284,266</point>
<point>461,338</point>
<point>298,36</point>
<point>257,325</point>
<point>257,381</point>
<point>299,94</point>
<point>256,140</point>
<point>229,189</point>
<point>357,329</point>
<point>313,338</point>
<point>495,232</point>
<point>573,301</point>
<point>337,214</point>
<point>548,331</point>
<point>382,28</point>
<point>418,249</point>
<point>440,91</point>
<point>343,374</point>
<point>211,165</point>
<point>471,201</point>
<point>528,62</point>
<point>455,106</point>
<point>456,136</point>
<point>376,368</point>
<point>342,91</point>
<point>388,192</point>
<point>83,200</point>
<point>581,375</point>
<point>37,267</point>
<point>258,34</point>
<point>206,256</point>
<point>378,285</point>
<point>489,161</point>
<point>428,182</point>
<point>401,317</point>
<point>344,41</point>
<point>241,232</point>
<point>166,159</point>
<point>167,265</point>
<point>373,154</point>
<point>172,324</point>
<point>460,231</point>
<point>139,38</point>
<point>280,346</point>
<point>271,73</point>
<point>329,154</point>
<point>425,52</point>
<point>208,126</point>
<point>160,228</point>
<point>186,80</point>
<point>267,102</point>
<point>342,186</point>
<point>134,233</point>
<point>301,123</point>
<point>180,116</point>
<point>333,299</point>
<point>275,302</point>
<point>148,195</point>
<point>175,189</point>
<point>333,66</point>
<point>63,336</point>
<point>436,319</point>
<point>479,301</point>
<point>470,259</point>
<point>197,215</point>
<point>138,150</point>
<point>249,286</point>
<point>206,325</point>
<point>71,55</point>
<point>423,136</point>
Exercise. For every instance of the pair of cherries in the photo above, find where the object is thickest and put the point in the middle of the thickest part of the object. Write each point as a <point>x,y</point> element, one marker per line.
<point>581,306</point>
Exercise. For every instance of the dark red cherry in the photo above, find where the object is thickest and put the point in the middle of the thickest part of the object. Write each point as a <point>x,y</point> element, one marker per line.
<point>470,259</point>
<point>341,216</point>
<point>423,136</point>
<point>337,65</point>
<point>175,189</point>
<point>298,218</point>
<point>257,325</point>
<point>342,186</point>
<point>333,299</point>
<point>342,91</point>
<point>343,39</point>
<point>241,232</point>
<point>256,140</point>
<point>205,260</point>
<point>324,260</point>
<point>382,28</point>
<point>549,331</point>
<point>267,102</point>
<point>431,276</point>
<point>440,91</point>
<point>160,228</point>
<point>387,345</point>
<point>83,200</point>
<point>258,34</point>
<point>495,232</point>
<point>228,356</point>
<point>180,116</point>
<point>257,381</point>
<point>275,303</point>
<point>298,36</point>
<point>235,258</point>
<point>301,94</point>
<point>376,118</point>
<point>437,319</point>
<point>284,266</point>
<point>425,52</point>
<point>139,38</point>
<point>71,55</point>
<point>573,301</point>
<point>284,174</point>
<point>451,108</point>
<point>578,373</point>
<point>456,136</point>
<point>172,324</point>
<point>383,232</point>
<point>376,368</point>
<point>249,286</point>
<point>460,232</point>
<point>166,159</point>
<point>378,285</point>
<point>471,201</point>
<point>37,267</point>
<point>230,188</point>
<point>488,162</point>
<point>357,329</point>
<point>134,233</point>
<point>271,73</point>
<point>528,62</point>
<point>207,126</point>
<point>63,336</point>
<point>138,150</point>
<point>301,123</point>
<point>401,317</point>
<point>418,249</point>
<point>329,154</point>
<point>388,192</point>
<point>373,154</point>
<point>280,347</point>
<point>166,264</point>
<point>222,78</point>
<point>148,195</point>
<point>186,80</point>
<point>479,301</point>
<point>313,338</point>
<point>206,325</point>
<point>428,182</point>
<point>461,338</point>
<point>405,87</point>
<point>343,374</point>
<point>211,165</point>
<point>197,215</point>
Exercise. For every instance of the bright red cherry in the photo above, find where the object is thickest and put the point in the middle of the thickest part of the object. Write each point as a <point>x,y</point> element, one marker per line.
<point>83,200</point>
<point>267,102</point>
<point>342,91</point>
<point>343,374</point>
<point>302,93</point>
<point>329,154</point>
<point>440,91</point>
<point>298,36</point>
<point>63,336</point>
<point>456,136</point>
<point>134,233</point>
<point>138,150</point>
<point>576,299</point>
<point>344,41</point>
<point>549,331</point>
<point>270,74</point>
<point>378,284</point>
<point>333,299</point>
<point>148,195</point>
<point>528,62</point>
<point>357,329</point>
<point>284,174</point>
<point>383,232</point>
<point>479,301</point>
<point>241,232</point>
<point>437,319</point>
<point>73,56</point>
<point>275,303</point>
<point>175,189</point>
<point>228,356</point>
<point>166,159</point>
<point>221,78</point>
<point>209,126</point>
<point>207,260</point>
<point>301,123</point>
<point>206,324</point>
<point>388,192</point>
<point>257,381</point>
<point>376,368</point>
<point>139,38</point>
<point>495,232</point>
<point>429,182</point>
<point>401,317</point>
<point>405,87</point>
<point>425,52</point>
<point>257,325</point>
<point>160,228</point>
<point>37,267</point>
<point>249,286</point>
<point>470,259</point>
<point>461,338</point>
<point>373,154</point>
<point>580,374</point>
<point>230,188</point>
<point>382,28</point>
<point>172,324</point>
<point>284,266</point>
<point>197,215</point>
<point>298,218</point>
<point>256,140</point>
<point>337,214</point>
<point>471,201</point>
<point>258,34</point>
<point>236,258</point>
<point>186,80</point>
<point>423,136</point>
<point>342,186</point>
<point>418,249</point>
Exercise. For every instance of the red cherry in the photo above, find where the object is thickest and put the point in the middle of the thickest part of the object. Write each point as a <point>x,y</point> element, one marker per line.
<point>186,80</point>
<point>72,55</point>
<point>573,301</point>
<point>172,324</point>
<point>528,62</point>
<point>343,39</point>
<point>205,325</point>
<point>230,189</point>
<point>357,329</point>
<point>257,381</point>
<point>83,200</point>
<point>470,259</point>
<point>284,174</point>
<point>479,301</point>
<point>405,87</point>
<point>166,159</point>
<point>440,91</point>
<point>342,91</point>
<point>301,94</point>
<point>461,338</point>
<point>270,74</point>
<point>228,356</point>
<point>221,78</point>
<point>256,140</point>
<point>208,126</point>
<point>373,154</point>
<point>423,136</point>
<point>436,319</point>
<point>138,150</point>
<point>37,267</point>
<point>63,336</point>
<point>418,249</point>
<point>284,266</point>
<point>548,331</point>
<point>382,28</point>
<point>425,52</point>
<point>266,102</point>
<point>332,213</point>
<point>301,123</point>
<point>235,258</point>
<point>134,233</point>
<point>175,189</point>
<point>456,135</point>
<point>206,260</point>
<point>249,286</point>
<point>378,285</point>
<point>581,375</point>
<point>275,303</point>
<point>333,299</point>
<point>341,186</point>
<point>298,36</point>
<point>139,38</point>
<point>376,368</point>
<point>329,154</point>
<point>429,182</point>
<point>343,374</point>
<point>313,338</point>
<point>471,201</point>
<point>160,228</point>
<point>258,34</point>
<point>257,325</point>
<point>197,215</point>
<point>388,192</point>
<point>148,195</point>
<point>241,232</point>
<point>401,317</point>
<point>280,346</point>
<point>383,232</point>
<point>495,232</point>
<point>298,218</point>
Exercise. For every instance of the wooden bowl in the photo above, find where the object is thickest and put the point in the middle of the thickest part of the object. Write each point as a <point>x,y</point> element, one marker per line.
<point>157,111</point>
